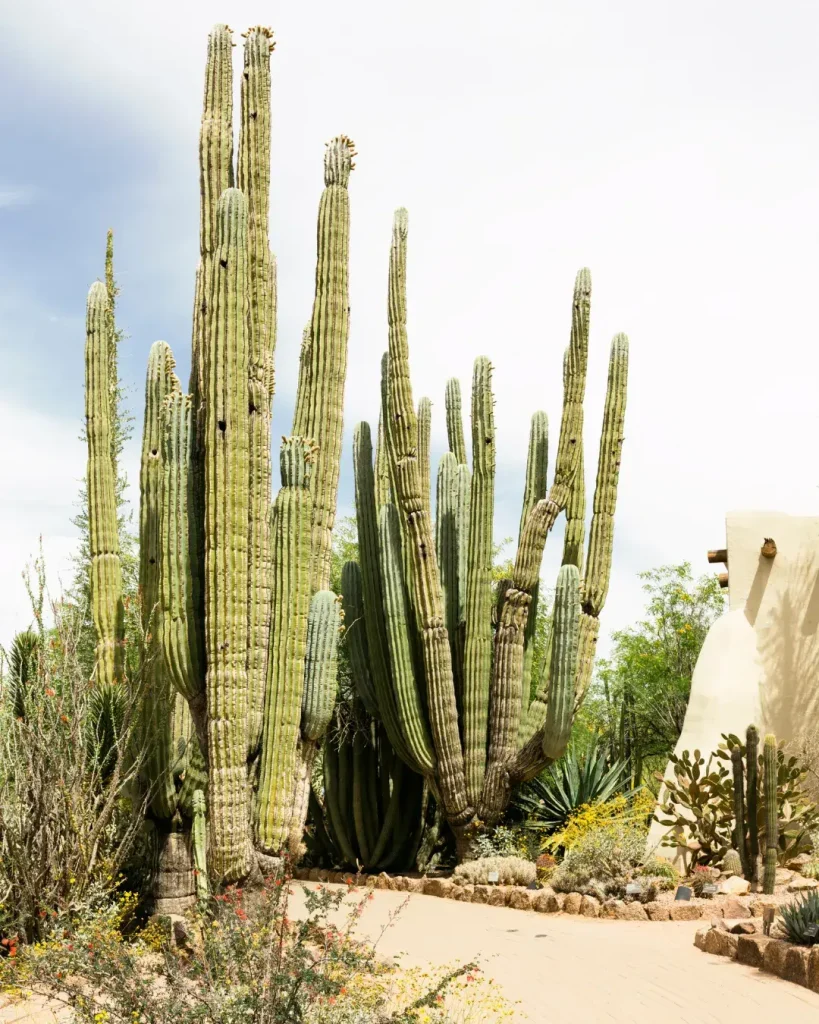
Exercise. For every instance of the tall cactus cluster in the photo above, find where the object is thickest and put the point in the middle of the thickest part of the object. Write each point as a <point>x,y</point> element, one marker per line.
<point>443,661</point>
<point>240,625</point>
<point>752,816</point>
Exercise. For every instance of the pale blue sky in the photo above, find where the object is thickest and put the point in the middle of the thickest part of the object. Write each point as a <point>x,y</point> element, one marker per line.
<point>671,149</point>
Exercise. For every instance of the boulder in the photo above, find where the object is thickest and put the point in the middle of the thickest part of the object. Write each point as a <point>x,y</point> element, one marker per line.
<point>521,899</point>
<point>313,875</point>
<point>721,943</point>
<point>480,894</point>
<point>546,903</point>
<point>631,912</point>
<point>800,884</point>
<point>700,937</point>
<point>741,926</point>
<point>572,903</point>
<point>383,881</point>
<point>813,969</point>
<point>682,911</point>
<point>783,876</point>
<point>733,885</point>
<point>799,861</point>
<point>773,958</point>
<point>589,907</point>
<point>657,911</point>
<point>322,875</point>
<point>796,965</point>
<point>498,896</point>
<point>463,893</point>
<point>415,884</point>
<point>733,907</point>
<point>610,907</point>
<point>398,883</point>
<point>757,907</point>
<point>438,887</point>
<point>751,949</point>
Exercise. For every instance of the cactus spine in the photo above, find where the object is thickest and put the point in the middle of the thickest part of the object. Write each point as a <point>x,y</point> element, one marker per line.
<point>486,735</point>
<point>769,765</point>
<point>103,538</point>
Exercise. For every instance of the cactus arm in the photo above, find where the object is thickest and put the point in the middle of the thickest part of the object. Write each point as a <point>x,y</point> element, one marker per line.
<point>752,761</point>
<point>319,415</point>
<point>253,178</point>
<point>424,440</point>
<point>226,474</point>
<point>199,843</point>
<point>477,670</point>
<point>563,668</point>
<point>159,691</point>
<point>180,585</point>
<point>454,421</point>
<point>355,633</point>
<point>334,797</point>
<point>290,531</point>
<point>401,431</point>
<point>537,466</point>
<point>103,539</point>
<point>400,623</point>
<point>769,766</point>
<point>362,818</point>
<point>320,665</point>
<point>506,696</point>
<point>447,548</point>
<point>741,833</point>
<point>382,468</point>
<point>373,588</point>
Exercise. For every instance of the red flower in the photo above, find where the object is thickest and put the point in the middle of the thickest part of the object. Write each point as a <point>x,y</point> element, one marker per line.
<point>50,693</point>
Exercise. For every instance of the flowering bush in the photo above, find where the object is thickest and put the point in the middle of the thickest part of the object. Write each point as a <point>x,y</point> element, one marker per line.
<point>245,959</point>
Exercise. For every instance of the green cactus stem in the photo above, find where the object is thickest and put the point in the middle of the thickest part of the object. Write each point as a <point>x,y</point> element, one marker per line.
<point>253,178</point>
<point>103,539</point>
<point>291,531</point>
<point>321,664</point>
<point>769,767</point>
<point>401,431</point>
<point>355,633</point>
<point>740,830</point>
<point>478,643</point>
<point>424,441</point>
<point>226,437</point>
<point>535,490</point>
<point>752,761</point>
<point>732,863</point>
<point>319,407</point>
<point>563,669</point>
<point>454,421</point>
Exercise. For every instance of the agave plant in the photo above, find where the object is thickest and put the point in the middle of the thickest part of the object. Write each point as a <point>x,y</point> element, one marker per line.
<point>548,801</point>
<point>801,919</point>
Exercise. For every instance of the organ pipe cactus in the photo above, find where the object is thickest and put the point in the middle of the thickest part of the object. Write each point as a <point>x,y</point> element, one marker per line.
<point>241,642</point>
<point>485,734</point>
<point>103,539</point>
<point>769,766</point>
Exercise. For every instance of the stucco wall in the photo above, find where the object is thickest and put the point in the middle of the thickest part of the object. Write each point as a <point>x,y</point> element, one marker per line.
<point>760,661</point>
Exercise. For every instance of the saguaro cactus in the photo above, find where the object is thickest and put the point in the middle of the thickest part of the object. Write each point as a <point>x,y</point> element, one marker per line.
<point>103,538</point>
<point>471,673</point>
<point>769,763</point>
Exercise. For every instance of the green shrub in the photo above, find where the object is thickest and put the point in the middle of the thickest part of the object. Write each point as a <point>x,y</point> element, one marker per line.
<point>801,919</point>
<point>604,858</point>
<point>511,871</point>
<point>662,871</point>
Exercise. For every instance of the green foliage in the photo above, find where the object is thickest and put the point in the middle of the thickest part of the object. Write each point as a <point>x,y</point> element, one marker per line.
<point>800,919</point>
<point>548,801</point>
<point>640,694</point>
<point>700,799</point>
<point>604,860</point>
<point>22,662</point>
<point>253,961</point>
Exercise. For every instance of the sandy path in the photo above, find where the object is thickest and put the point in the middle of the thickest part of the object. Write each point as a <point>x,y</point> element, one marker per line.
<point>571,970</point>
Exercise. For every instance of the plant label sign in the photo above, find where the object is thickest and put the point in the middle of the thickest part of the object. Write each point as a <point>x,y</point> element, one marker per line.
<point>492,876</point>
<point>683,893</point>
<point>709,890</point>
<point>633,889</point>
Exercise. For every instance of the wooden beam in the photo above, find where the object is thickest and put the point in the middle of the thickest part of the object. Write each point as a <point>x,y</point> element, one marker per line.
<point>723,580</point>
<point>720,555</point>
<point>768,549</point>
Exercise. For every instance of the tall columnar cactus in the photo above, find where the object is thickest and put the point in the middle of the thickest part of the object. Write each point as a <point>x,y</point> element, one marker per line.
<point>769,764</point>
<point>486,736</point>
<point>236,582</point>
<point>103,538</point>
<point>742,841</point>
<point>752,761</point>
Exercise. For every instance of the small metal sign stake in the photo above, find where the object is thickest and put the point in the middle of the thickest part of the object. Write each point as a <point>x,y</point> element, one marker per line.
<point>768,915</point>
<point>683,893</point>
<point>492,876</point>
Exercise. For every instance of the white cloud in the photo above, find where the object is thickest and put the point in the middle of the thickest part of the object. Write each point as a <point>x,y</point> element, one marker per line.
<point>679,164</point>
<point>15,196</point>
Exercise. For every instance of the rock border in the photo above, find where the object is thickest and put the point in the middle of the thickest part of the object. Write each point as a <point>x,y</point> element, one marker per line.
<point>799,964</point>
<point>543,901</point>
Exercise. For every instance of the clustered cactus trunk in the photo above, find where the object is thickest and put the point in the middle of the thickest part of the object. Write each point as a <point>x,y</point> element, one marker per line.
<point>451,688</point>
<point>241,627</point>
